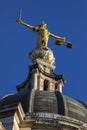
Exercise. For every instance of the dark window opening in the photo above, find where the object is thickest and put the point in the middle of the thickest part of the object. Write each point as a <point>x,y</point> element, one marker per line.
<point>46,85</point>
<point>55,87</point>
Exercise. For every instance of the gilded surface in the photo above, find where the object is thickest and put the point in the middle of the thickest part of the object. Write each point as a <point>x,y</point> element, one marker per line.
<point>42,51</point>
<point>42,34</point>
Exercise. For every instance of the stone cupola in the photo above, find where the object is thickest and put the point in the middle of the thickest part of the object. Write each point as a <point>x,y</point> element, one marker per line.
<point>41,73</point>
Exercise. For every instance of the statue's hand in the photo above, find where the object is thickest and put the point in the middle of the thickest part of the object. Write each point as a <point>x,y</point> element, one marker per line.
<point>19,21</point>
<point>63,39</point>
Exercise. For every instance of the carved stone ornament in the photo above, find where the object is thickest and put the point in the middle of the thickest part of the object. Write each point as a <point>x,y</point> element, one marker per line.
<point>44,54</point>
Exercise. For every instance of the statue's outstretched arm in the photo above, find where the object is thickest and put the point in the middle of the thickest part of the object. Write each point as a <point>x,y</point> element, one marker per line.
<point>27,25</point>
<point>62,39</point>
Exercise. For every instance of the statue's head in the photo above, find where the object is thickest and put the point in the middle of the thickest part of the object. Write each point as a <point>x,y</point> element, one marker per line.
<point>42,24</point>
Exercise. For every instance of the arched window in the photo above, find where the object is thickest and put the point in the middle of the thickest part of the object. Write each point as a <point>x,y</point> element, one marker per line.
<point>46,85</point>
<point>55,87</point>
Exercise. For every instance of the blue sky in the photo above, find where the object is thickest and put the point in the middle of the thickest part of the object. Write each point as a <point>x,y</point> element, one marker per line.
<point>66,18</point>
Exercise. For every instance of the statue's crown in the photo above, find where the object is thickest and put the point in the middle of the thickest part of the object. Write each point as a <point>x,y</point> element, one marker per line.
<point>42,23</point>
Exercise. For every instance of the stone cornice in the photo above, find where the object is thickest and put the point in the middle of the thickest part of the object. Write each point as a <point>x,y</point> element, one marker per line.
<point>57,121</point>
<point>10,110</point>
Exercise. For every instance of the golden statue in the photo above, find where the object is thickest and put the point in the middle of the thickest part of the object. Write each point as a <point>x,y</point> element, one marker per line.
<point>43,34</point>
<point>42,51</point>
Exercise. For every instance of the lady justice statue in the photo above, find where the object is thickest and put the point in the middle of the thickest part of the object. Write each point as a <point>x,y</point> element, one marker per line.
<point>42,34</point>
<point>42,51</point>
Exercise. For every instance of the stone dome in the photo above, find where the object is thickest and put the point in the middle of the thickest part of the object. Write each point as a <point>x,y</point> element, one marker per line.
<point>35,101</point>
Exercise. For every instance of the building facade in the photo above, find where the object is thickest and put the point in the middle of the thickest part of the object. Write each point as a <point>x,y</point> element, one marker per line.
<point>39,103</point>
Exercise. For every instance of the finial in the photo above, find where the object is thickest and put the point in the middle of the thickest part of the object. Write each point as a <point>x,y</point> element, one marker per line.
<point>42,54</point>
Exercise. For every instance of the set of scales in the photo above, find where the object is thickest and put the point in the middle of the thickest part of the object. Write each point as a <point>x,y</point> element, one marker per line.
<point>42,54</point>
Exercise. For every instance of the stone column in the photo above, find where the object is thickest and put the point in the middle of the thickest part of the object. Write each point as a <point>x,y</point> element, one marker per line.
<point>51,85</point>
<point>60,86</point>
<point>41,84</point>
<point>34,79</point>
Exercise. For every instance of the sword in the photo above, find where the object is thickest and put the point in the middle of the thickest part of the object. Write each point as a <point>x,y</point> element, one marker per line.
<point>20,14</point>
